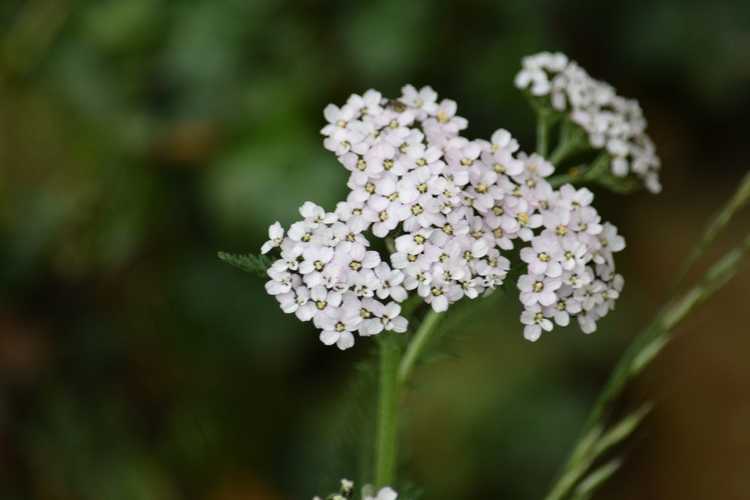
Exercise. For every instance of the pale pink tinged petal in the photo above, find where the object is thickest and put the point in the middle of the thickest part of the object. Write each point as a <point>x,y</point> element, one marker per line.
<point>547,298</point>
<point>398,294</point>
<point>537,267</point>
<point>334,299</point>
<point>331,113</point>
<point>391,310</point>
<point>308,209</point>
<point>449,106</point>
<point>380,230</point>
<point>399,324</point>
<point>378,203</point>
<point>345,341</point>
<point>329,337</point>
<point>371,259</point>
<point>368,328</point>
<point>306,312</point>
<point>399,260</point>
<point>562,318</point>
<point>276,288</point>
<point>532,332</point>
<point>387,493</point>
<point>275,231</point>
<point>267,247</point>
<point>554,270</point>
<point>318,293</point>
<point>440,304</point>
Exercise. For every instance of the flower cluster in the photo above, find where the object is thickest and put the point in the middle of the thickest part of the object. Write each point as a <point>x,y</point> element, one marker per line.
<point>346,491</point>
<point>449,204</point>
<point>326,274</point>
<point>570,266</point>
<point>448,207</point>
<point>613,123</point>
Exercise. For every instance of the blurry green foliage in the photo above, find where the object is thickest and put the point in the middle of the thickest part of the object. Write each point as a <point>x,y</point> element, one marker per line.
<point>139,137</point>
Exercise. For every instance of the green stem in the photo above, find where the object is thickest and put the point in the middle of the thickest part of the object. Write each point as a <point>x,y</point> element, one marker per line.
<point>425,331</point>
<point>582,174</point>
<point>386,432</point>
<point>571,141</point>
<point>542,133</point>
<point>719,222</point>
<point>640,353</point>
<point>394,372</point>
<point>558,180</point>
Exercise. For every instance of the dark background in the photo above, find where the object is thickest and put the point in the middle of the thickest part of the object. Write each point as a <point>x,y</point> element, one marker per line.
<point>139,137</point>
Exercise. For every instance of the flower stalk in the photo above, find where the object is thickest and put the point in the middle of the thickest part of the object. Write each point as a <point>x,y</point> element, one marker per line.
<point>386,432</point>
<point>542,132</point>
<point>395,370</point>
<point>422,337</point>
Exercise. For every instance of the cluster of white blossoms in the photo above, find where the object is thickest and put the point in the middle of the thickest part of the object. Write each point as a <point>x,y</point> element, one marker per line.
<point>613,123</point>
<point>327,275</point>
<point>570,265</point>
<point>347,490</point>
<point>447,207</point>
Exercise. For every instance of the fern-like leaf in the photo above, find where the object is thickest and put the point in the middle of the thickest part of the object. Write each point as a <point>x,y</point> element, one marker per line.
<point>250,263</point>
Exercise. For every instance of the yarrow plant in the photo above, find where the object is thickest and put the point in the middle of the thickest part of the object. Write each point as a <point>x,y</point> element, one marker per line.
<point>450,210</point>
<point>432,217</point>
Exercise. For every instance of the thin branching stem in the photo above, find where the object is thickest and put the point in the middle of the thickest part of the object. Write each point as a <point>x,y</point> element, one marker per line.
<point>425,331</point>
<point>542,133</point>
<point>717,224</point>
<point>640,353</point>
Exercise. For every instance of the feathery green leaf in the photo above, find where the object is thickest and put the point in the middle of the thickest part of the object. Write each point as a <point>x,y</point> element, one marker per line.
<point>250,263</point>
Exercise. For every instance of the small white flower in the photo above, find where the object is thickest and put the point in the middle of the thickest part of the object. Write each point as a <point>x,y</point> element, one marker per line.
<point>275,237</point>
<point>390,283</point>
<point>337,326</point>
<point>315,259</point>
<point>538,289</point>
<point>423,99</point>
<point>535,322</point>
<point>543,257</point>
<point>386,493</point>
<point>391,319</point>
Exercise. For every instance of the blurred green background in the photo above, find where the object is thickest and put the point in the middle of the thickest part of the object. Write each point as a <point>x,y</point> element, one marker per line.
<point>138,137</point>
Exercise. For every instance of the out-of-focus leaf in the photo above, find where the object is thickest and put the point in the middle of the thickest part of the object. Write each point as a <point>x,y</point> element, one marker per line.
<point>250,263</point>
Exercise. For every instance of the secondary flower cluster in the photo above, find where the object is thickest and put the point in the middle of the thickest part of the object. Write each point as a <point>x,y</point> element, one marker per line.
<point>447,206</point>
<point>613,123</point>
<point>347,490</point>
<point>570,265</point>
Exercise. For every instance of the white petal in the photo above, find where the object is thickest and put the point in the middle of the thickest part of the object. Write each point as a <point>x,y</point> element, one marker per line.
<point>346,340</point>
<point>329,337</point>
<point>532,332</point>
<point>440,304</point>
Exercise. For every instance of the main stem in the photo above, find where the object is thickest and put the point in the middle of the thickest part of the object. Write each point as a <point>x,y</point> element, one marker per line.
<point>387,417</point>
<point>394,373</point>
